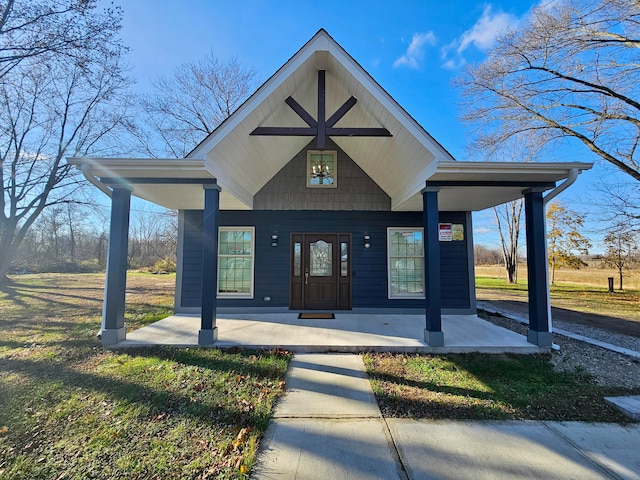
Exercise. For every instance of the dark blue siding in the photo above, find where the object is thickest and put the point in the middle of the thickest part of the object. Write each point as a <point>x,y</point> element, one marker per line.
<point>192,259</point>
<point>369,266</point>
<point>454,266</point>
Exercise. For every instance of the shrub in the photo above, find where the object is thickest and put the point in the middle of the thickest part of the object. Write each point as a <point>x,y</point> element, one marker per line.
<point>166,265</point>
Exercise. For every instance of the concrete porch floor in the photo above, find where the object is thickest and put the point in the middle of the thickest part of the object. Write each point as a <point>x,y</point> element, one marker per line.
<point>348,332</point>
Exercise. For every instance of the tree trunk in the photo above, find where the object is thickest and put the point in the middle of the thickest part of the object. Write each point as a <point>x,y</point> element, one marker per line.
<point>4,270</point>
<point>510,222</point>
<point>620,272</point>
<point>72,244</point>
<point>7,248</point>
<point>6,259</point>
<point>512,272</point>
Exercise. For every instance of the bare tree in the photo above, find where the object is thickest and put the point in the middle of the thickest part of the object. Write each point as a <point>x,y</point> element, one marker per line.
<point>31,29</point>
<point>188,105</point>
<point>509,215</point>
<point>622,249</point>
<point>622,205</point>
<point>53,106</point>
<point>153,237</point>
<point>64,238</point>
<point>508,220</point>
<point>572,70</point>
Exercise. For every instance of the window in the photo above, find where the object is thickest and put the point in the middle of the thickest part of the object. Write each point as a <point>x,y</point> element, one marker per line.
<point>297,259</point>
<point>344,259</point>
<point>320,259</point>
<point>235,261</point>
<point>322,169</point>
<point>406,262</point>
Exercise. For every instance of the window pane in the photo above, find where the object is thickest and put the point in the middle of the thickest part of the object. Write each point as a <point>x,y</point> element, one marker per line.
<point>344,260</point>
<point>406,262</point>
<point>321,257</point>
<point>235,261</point>
<point>235,242</point>
<point>234,275</point>
<point>321,169</point>
<point>297,258</point>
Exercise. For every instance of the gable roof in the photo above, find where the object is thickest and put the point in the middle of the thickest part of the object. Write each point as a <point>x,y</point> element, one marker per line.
<point>400,164</point>
<point>243,163</point>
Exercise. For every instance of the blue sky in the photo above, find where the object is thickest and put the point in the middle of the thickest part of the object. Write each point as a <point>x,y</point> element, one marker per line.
<point>412,48</point>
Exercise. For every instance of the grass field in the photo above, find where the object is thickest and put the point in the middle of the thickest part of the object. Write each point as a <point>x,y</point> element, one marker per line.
<point>579,291</point>
<point>69,409</point>
<point>592,276</point>
<point>512,386</point>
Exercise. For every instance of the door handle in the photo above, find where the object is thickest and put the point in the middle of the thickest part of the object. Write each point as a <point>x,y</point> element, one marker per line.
<point>306,278</point>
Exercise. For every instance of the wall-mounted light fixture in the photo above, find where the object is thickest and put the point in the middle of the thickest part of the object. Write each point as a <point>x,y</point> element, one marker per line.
<point>367,241</point>
<point>274,240</point>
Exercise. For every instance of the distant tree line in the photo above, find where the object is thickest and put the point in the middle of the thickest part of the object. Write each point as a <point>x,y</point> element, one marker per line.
<point>68,238</point>
<point>484,255</point>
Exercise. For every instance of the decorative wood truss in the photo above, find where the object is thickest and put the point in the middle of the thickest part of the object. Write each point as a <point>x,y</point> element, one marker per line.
<point>322,127</point>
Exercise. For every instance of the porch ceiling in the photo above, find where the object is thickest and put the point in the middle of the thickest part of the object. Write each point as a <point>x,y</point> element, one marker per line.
<point>464,186</point>
<point>169,182</point>
<point>475,186</point>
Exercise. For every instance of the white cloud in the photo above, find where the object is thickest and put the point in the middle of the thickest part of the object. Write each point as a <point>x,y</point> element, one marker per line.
<point>415,52</point>
<point>482,36</point>
<point>489,27</point>
<point>451,65</point>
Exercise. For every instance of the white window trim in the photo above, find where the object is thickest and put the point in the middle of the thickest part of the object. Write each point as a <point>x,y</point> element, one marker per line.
<point>405,295</point>
<point>253,264</point>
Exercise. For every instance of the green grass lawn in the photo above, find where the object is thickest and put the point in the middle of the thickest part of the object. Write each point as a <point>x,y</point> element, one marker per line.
<point>70,409</point>
<point>574,296</point>
<point>480,387</point>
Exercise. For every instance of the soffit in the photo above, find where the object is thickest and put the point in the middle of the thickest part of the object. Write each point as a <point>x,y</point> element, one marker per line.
<point>182,190</point>
<point>475,186</point>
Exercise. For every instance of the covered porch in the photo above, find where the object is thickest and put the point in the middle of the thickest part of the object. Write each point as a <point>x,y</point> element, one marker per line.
<point>346,333</point>
<point>391,169</point>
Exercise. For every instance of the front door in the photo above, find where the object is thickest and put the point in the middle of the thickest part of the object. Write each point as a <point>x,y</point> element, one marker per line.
<point>320,271</point>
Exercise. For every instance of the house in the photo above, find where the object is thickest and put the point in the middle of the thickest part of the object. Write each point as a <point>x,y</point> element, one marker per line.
<point>322,193</point>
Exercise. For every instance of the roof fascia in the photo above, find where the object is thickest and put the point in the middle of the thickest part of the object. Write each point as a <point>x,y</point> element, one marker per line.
<point>260,95</point>
<point>552,168</point>
<point>154,167</point>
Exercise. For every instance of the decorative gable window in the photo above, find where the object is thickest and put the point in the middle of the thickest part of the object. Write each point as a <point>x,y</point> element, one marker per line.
<point>322,169</point>
<point>235,261</point>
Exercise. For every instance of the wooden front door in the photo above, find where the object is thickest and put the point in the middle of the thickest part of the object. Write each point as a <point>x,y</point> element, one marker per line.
<point>320,271</point>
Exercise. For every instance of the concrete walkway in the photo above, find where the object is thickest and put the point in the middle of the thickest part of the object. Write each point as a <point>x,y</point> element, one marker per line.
<point>328,426</point>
